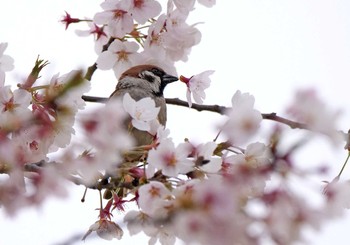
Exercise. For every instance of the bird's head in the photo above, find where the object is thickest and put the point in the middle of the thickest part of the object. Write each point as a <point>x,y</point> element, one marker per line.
<point>148,77</point>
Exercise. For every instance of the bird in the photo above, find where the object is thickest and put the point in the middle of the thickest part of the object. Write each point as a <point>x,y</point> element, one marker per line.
<point>140,82</point>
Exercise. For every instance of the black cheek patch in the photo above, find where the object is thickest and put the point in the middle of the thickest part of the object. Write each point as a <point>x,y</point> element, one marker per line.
<point>149,78</point>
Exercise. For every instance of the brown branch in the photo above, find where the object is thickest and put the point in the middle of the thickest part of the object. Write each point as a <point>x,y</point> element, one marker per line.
<point>212,108</point>
<point>273,116</point>
<point>221,110</point>
<point>91,69</point>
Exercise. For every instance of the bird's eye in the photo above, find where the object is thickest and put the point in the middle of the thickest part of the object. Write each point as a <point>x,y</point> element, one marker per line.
<point>157,72</point>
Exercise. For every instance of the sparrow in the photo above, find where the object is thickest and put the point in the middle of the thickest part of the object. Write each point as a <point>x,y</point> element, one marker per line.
<point>140,82</point>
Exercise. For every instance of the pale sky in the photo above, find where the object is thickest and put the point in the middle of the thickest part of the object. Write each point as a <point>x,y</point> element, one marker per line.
<point>269,48</point>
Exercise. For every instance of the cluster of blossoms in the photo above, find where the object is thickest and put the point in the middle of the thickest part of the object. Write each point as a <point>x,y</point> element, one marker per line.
<point>235,191</point>
<point>167,37</point>
<point>35,121</point>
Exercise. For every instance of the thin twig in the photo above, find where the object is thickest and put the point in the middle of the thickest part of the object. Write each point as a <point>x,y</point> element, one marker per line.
<point>91,69</point>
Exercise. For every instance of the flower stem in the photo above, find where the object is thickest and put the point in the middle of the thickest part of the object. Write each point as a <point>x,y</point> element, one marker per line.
<point>101,207</point>
<point>346,161</point>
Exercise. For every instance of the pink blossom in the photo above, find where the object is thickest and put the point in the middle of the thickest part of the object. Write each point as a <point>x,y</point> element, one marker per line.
<point>14,107</point>
<point>118,19</point>
<point>154,198</point>
<point>67,20</point>
<point>105,139</point>
<point>72,98</point>
<point>6,63</point>
<point>214,218</point>
<point>138,221</point>
<point>162,134</point>
<point>170,159</point>
<point>251,166</point>
<point>107,134</point>
<point>142,112</point>
<point>47,182</point>
<point>256,155</point>
<point>154,42</point>
<point>287,215</point>
<point>104,127</point>
<point>196,86</point>
<point>69,103</point>
<point>30,145</point>
<point>12,192</point>
<point>337,197</point>
<point>105,229</point>
<point>142,10</point>
<point>164,234</point>
<point>184,6</point>
<point>204,158</point>
<point>207,3</point>
<point>244,120</point>
<point>100,36</point>
<point>120,56</point>
<point>180,37</point>
<point>308,108</point>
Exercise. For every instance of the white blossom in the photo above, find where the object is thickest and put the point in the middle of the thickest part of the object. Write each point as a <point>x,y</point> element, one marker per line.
<point>244,120</point>
<point>6,63</point>
<point>143,112</point>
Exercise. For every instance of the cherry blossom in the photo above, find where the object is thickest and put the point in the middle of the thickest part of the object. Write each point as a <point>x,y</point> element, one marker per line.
<point>170,159</point>
<point>46,183</point>
<point>138,221</point>
<point>308,108</point>
<point>12,191</point>
<point>287,215</point>
<point>105,229</point>
<point>252,166</point>
<point>107,134</point>
<point>154,198</point>
<point>180,37</point>
<point>162,134</point>
<point>255,155</point>
<point>337,197</point>
<point>14,107</point>
<point>71,98</point>
<point>6,63</point>
<point>207,3</point>
<point>31,145</point>
<point>154,42</point>
<point>244,120</point>
<point>100,36</point>
<point>118,20</point>
<point>142,112</point>
<point>67,105</point>
<point>204,159</point>
<point>214,218</point>
<point>105,139</point>
<point>142,10</point>
<point>196,86</point>
<point>184,6</point>
<point>164,234</point>
<point>119,56</point>
<point>67,20</point>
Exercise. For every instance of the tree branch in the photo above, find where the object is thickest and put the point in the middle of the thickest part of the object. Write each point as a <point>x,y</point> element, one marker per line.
<point>91,69</point>
<point>214,108</point>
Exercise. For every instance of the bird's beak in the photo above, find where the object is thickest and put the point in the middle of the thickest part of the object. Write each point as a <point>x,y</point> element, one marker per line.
<point>169,79</point>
